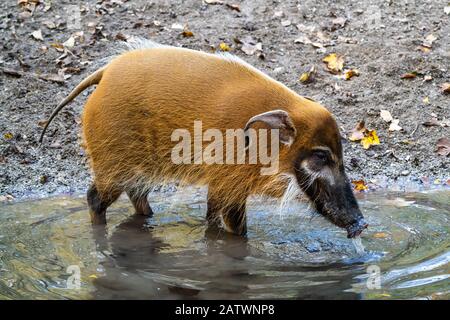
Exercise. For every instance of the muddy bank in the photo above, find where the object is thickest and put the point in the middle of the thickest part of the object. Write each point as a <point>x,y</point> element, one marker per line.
<point>47,49</point>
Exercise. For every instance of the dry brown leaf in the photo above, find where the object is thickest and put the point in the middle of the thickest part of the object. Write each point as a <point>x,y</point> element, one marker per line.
<point>409,75</point>
<point>334,62</point>
<point>234,7</point>
<point>445,87</point>
<point>443,147</point>
<point>52,77</point>
<point>432,123</point>
<point>187,33</point>
<point>357,133</point>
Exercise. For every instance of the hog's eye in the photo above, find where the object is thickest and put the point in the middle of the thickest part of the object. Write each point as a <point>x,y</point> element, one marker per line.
<point>320,157</point>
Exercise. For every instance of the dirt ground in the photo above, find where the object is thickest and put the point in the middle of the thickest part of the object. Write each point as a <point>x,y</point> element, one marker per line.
<point>382,39</point>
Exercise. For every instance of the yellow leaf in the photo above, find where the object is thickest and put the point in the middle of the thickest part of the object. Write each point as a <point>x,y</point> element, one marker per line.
<point>370,139</point>
<point>93,276</point>
<point>426,100</point>
<point>8,135</point>
<point>359,185</point>
<point>224,47</point>
<point>348,74</point>
<point>307,77</point>
<point>334,62</point>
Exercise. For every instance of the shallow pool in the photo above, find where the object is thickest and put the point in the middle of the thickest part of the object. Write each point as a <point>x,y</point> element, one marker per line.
<point>49,250</point>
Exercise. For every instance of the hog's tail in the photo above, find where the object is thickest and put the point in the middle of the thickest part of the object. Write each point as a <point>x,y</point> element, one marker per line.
<point>92,79</point>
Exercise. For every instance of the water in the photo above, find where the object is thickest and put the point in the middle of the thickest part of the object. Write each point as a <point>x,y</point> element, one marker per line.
<point>404,254</point>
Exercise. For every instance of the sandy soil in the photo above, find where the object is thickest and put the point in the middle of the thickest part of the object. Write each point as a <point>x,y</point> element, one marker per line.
<point>382,39</point>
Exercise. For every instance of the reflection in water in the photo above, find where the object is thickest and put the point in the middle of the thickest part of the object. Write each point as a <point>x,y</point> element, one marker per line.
<point>137,267</point>
<point>173,255</point>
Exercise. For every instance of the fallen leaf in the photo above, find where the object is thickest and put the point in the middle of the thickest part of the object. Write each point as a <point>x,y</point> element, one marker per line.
<point>348,74</point>
<point>443,147</point>
<point>224,47</point>
<point>308,77</point>
<point>409,75</point>
<point>357,133</point>
<point>93,276</point>
<point>250,47</point>
<point>370,139</point>
<point>278,14</point>
<point>58,46</point>
<point>120,36</point>
<point>303,39</point>
<point>445,87</point>
<point>394,125</point>
<point>359,185</point>
<point>386,115</point>
<point>426,100</point>
<point>428,42</point>
<point>334,62</point>
<point>11,72</point>
<point>37,35</point>
<point>49,24</point>
<point>69,43</point>
<point>187,33</point>
<point>380,235</point>
<point>52,77</point>
<point>8,136</point>
<point>234,7</point>
<point>339,22</point>
<point>177,26</point>
<point>431,123</point>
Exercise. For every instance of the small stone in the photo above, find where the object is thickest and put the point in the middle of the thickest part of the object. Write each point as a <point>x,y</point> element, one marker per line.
<point>405,172</point>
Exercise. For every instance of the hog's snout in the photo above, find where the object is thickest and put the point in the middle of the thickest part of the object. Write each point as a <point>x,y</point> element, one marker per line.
<point>356,228</point>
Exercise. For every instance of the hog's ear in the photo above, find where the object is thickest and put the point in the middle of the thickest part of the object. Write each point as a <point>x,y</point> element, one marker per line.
<point>275,119</point>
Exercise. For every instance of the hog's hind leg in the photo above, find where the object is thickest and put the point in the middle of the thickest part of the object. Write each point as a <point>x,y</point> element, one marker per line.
<point>232,216</point>
<point>140,203</point>
<point>99,201</point>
